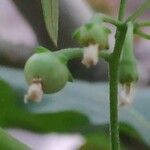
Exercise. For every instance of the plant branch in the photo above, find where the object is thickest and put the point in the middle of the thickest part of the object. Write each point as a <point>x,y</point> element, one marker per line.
<point>139,11</point>
<point>142,34</point>
<point>122,10</point>
<point>111,20</point>
<point>72,53</point>
<point>143,24</point>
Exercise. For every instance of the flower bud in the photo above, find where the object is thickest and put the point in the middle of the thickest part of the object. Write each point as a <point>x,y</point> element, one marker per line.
<point>128,68</point>
<point>92,33</point>
<point>92,36</point>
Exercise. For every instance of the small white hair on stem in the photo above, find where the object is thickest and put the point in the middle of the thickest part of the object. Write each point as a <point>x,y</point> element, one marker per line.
<point>35,91</point>
<point>90,55</point>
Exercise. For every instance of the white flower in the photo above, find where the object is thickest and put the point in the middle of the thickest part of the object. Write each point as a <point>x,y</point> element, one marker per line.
<point>90,55</point>
<point>35,91</point>
<point>126,94</point>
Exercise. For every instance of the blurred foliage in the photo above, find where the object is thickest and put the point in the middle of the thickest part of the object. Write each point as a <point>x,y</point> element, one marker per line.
<point>80,108</point>
<point>106,6</point>
<point>51,14</point>
<point>32,12</point>
<point>9,143</point>
<point>66,111</point>
<point>13,116</point>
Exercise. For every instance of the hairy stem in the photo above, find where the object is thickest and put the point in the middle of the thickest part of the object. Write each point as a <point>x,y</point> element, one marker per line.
<point>113,79</point>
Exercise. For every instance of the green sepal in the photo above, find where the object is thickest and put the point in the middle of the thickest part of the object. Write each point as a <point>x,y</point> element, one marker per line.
<point>128,72</point>
<point>92,33</point>
<point>64,60</point>
<point>62,57</point>
<point>127,68</point>
<point>41,49</point>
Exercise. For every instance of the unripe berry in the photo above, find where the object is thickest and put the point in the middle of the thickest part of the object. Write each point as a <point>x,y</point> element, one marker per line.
<point>46,67</point>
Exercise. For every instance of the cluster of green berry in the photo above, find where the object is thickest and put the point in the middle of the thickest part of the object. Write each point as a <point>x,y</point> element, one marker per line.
<point>47,72</point>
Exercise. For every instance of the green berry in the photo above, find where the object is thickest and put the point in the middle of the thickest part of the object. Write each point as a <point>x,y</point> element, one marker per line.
<point>44,65</point>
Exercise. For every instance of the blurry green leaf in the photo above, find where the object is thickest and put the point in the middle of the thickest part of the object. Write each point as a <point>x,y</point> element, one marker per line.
<point>11,115</point>
<point>9,143</point>
<point>96,142</point>
<point>6,141</point>
<point>97,137</point>
<point>128,136</point>
<point>51,15</point>
<point>88,98</point>
<point>100,141</point>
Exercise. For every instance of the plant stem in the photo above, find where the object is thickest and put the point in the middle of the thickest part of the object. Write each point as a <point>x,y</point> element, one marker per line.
<point>113,82</point>
<point>72,53</point>
<point>143,24</point>
<point>113,79</point>
<point>111,20</point>
<point>122,10</point>
<point>142,34</point>
<point>139,11</point>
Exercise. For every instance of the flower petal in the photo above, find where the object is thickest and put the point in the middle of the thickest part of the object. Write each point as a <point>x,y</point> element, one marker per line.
<point>126,94</point>
<point>35,91</point>
<point>90,55</point>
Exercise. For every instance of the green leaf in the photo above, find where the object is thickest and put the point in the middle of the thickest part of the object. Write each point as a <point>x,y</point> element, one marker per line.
<point>97,136</point>
<point>6,141</point>
<point>11,115</point>
<point>89,99</point>
<point>51,15</point>
<point>96,141</point>
<point>9,143</point>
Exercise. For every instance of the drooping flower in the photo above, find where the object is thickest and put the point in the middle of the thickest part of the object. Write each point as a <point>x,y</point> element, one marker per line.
<point>92,36</point>
<point>128,74</point>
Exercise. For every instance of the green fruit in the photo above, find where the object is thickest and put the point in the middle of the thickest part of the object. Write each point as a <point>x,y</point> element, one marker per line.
<point>53,73</point>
